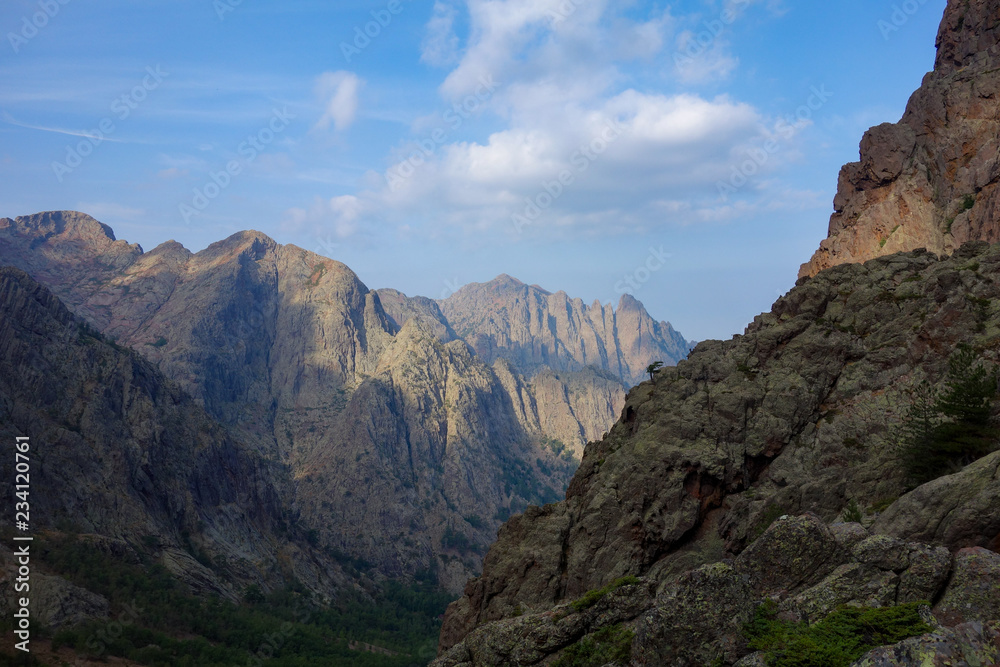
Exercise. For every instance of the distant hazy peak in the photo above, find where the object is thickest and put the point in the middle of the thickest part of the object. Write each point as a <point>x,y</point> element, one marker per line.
<point>503,283</point>
<point>534,328</point>
<point>629,302</point>
<point>504,279</point>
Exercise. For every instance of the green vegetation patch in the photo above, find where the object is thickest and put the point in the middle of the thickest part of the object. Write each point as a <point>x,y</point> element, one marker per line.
<point>852,513</point>
<point>948,429</point>
<point>590,598</point>
<point>837,640</point>
<point>610,645</point>
<point>156,621</point>
<point>559,448</point>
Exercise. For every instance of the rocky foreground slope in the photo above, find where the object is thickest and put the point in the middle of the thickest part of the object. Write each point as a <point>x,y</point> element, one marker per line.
<point>719,492</point>
<point>800,414</point>
<point>930,180</point>
<point>384,416</point>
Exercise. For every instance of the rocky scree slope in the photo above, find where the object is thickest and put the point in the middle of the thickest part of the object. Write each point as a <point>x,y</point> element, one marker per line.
<point>931,180</point>
<point>383,417</point>
<point>125,457</point>
<point>800,414</point>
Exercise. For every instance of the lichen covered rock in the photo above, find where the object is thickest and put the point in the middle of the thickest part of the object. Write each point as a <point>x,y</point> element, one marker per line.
<point>967,644</point>
<point>973,594</point>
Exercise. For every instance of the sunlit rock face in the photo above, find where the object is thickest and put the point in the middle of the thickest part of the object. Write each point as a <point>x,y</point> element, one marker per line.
<point>929,181</point>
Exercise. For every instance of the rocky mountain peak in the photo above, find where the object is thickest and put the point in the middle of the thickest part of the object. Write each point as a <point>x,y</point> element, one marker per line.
<point>629,302</point>
<point>73,230</point>
<point>534,328</point>
<point>69,223</point>
<point>930,180</point>
<point>69,251</point>
<point>170,247</point>
<point>505,281</point>
<point>969,32</point>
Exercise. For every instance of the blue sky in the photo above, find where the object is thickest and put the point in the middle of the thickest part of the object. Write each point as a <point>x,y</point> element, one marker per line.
<point>686,152</point>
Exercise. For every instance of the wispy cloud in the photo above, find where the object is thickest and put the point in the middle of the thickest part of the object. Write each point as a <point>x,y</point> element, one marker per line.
<point>440,44</point>
<point>339,215</point>
<point>338,93</point>
<point>7,118</point>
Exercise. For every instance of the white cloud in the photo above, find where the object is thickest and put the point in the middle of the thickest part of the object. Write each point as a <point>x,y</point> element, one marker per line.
<point>698,63</point>
<point>338,93</point>
<point>570,44</point>
<point>624,159</point>
<point>633,155</point>
<point>440,44</point>
<point>337,217</point>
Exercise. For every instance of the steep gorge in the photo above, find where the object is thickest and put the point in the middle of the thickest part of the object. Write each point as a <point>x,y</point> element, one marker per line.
<point>383,416</point>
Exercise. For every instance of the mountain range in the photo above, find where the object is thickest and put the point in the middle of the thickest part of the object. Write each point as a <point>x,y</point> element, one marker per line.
<point>823,489</point>
<point>427,422</point>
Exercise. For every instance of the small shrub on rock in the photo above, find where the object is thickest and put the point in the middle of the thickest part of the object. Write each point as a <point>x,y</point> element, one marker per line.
<point>837,640</point>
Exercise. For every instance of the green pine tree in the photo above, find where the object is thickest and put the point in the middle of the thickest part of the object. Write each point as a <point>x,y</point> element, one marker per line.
<point>951,428</point>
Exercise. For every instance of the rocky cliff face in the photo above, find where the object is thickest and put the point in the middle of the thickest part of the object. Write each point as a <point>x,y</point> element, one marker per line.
<point>384,415</point>
<point>929,181</point>
<point>123,455</point>
<point>800,414</point>
<point>433,430</point>
<point>534,329</point>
